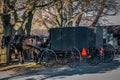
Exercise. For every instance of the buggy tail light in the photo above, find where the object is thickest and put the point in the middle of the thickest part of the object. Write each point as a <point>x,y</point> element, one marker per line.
<point>101,51</point>
<point>84,52</point>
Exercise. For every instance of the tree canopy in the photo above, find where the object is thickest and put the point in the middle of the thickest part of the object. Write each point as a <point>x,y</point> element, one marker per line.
<point>17,16</point>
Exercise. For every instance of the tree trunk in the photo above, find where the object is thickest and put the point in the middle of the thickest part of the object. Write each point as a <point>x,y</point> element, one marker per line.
<point>7,28</point>
<point>28,25</point>
<point>6,25</point>
<point>100,11</point>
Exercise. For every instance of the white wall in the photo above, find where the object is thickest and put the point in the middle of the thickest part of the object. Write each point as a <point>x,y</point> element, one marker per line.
<point>115,19</point>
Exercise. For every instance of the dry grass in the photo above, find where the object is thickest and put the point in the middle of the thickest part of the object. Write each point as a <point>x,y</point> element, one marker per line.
<point>21,67</point>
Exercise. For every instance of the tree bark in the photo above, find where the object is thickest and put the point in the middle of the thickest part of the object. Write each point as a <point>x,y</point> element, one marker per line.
<point>7,28</point>
<point>28,25</point>
<point>100,11</point>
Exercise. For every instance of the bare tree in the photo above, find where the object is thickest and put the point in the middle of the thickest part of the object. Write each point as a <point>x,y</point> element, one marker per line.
<point>74,12</point>
<point>16,16</point>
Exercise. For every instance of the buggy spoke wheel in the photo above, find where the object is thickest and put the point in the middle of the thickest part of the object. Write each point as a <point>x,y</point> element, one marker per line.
<point>108,57</point>
<point>73,62</point>
<point>74,58</point>
<point>49,58</point>
<point>108,54</point>
<point>93,58</point>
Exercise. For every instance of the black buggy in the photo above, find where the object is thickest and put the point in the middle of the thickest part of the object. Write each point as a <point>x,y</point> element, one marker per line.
<point>72,44</point>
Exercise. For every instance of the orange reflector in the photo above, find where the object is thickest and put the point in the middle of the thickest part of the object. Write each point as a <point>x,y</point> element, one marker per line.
<point>84,52</point>
<point>101,51</point>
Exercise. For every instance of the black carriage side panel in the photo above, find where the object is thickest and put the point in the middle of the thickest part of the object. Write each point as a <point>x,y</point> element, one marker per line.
<point>68,38</point>
<point>55,39</point>
<point>91,37</point>
<point>99,37</point>
<point>81,38</point>
<point>65,39</point>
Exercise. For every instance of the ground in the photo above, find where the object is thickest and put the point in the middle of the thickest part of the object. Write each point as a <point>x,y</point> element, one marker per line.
<point>103,71</point>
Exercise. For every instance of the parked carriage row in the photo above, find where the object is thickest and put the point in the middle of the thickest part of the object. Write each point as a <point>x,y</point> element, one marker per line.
<point>69,45</point>
<point>81,42</point>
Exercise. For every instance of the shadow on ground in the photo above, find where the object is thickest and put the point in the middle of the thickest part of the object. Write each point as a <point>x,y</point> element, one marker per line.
<point>61,72</point>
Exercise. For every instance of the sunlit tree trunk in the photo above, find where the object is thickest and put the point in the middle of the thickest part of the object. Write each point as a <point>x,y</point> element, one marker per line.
<point>7,28</point>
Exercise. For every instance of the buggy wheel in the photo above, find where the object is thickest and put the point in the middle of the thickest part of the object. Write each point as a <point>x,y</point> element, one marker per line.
<point>62,58</point>
<point>119,50</point>
<point>108,54</point>
<point>93,58</point>
<point>49,58</point>
<point>74,58</point>
<point>108,57</point>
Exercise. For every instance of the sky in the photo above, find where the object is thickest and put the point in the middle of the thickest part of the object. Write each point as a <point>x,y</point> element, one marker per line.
<point>115,19</point>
